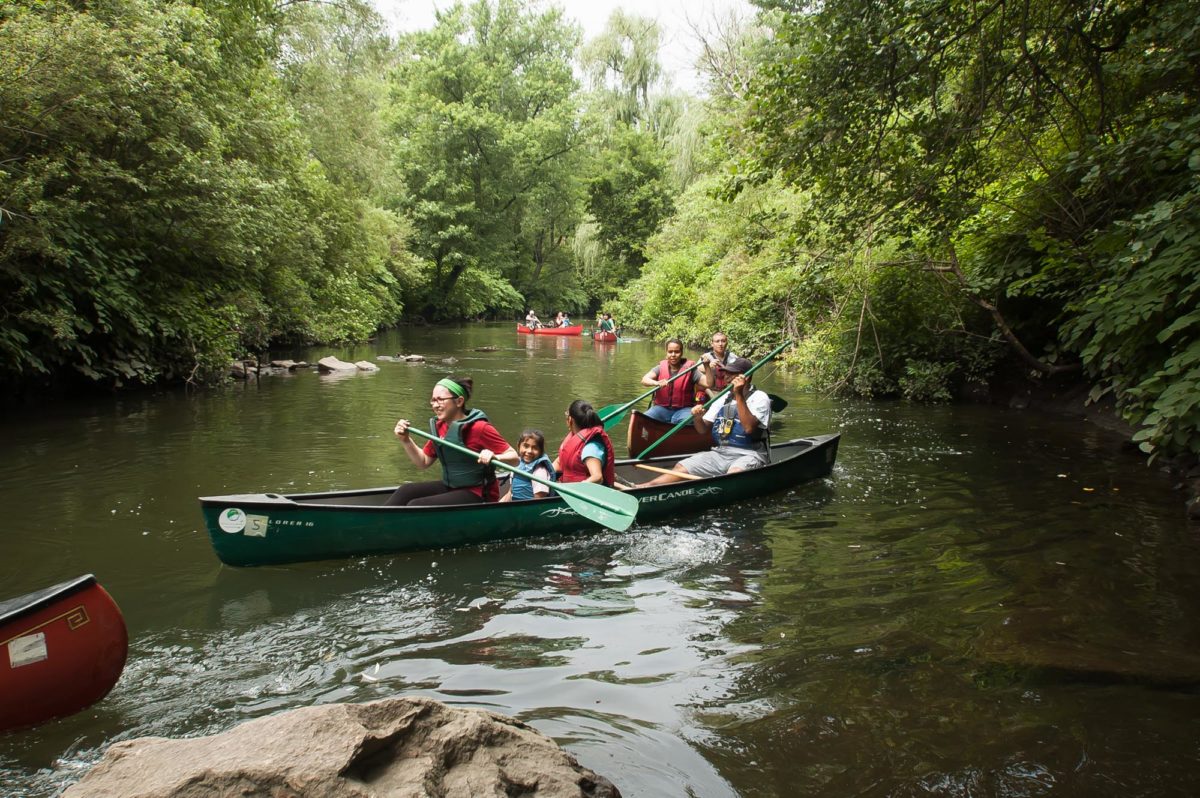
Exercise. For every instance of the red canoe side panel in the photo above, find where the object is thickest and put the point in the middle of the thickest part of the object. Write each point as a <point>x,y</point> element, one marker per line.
<point>576,330</point>
<point>604,337</point>
<point>61,658</point>
<point>644,431</point>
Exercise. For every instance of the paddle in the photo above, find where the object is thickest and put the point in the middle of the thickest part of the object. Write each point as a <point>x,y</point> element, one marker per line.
<point>709,403</point>
<point>604,505</point>
<point>612,415</point>
<point>672,472</point>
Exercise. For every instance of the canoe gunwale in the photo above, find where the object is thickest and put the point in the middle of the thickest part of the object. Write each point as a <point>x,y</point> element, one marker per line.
<point>311,500</point>
<point>19,606</point>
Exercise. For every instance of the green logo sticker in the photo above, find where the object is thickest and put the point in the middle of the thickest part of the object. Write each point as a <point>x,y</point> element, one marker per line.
<point>232,520</point>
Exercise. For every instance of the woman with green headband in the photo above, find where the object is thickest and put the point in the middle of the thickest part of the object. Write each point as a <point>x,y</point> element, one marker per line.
<point>465,480</point>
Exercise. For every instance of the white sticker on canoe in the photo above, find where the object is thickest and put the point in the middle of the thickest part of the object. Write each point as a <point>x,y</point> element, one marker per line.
<point>27,650</point>
<point>232,520</point>
<point>256,526</point>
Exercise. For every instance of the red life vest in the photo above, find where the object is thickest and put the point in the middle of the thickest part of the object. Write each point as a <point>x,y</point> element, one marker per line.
<point>681,393</point>
<point>717,369</point>
<point>571,462</point>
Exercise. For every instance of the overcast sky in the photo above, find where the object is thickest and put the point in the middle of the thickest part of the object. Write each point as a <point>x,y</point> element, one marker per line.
<point>677,18</point>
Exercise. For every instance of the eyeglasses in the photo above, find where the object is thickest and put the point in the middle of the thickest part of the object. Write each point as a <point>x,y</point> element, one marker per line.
<point>437,400</point>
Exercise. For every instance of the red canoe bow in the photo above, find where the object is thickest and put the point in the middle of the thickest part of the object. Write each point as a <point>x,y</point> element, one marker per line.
<point>62,649</point>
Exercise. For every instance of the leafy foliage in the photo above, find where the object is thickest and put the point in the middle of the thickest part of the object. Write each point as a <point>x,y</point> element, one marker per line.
<point>1040,151</point>
<point>486,140</point>
<point>629,197</point>
<point>161,211</point>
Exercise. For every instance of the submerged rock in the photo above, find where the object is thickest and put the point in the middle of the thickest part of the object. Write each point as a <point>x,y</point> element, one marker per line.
<point>406,747</point>
<point>365,365</point>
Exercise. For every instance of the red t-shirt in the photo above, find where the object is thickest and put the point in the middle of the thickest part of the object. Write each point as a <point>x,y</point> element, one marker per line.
<point>477,437</point>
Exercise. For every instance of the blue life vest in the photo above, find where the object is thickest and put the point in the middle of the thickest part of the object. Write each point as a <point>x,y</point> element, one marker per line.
<point>522,487</point>
<point>727,430</point>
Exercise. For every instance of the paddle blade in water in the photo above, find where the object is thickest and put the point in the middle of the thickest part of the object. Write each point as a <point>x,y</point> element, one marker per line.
<point>605,506</point>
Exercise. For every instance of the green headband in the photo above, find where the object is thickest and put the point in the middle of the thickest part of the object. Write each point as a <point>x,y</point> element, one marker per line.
<point>453,387</point>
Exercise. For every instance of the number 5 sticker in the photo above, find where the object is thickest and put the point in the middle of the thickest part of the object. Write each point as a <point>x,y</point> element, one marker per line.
<point>256,526</point>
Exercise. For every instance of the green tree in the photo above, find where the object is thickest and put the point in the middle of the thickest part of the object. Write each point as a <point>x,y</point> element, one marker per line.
<point>161,208</point>
<point>629,197</point>
<point>623,68</point>
<point>486,139</point>
<point>1029,151</point>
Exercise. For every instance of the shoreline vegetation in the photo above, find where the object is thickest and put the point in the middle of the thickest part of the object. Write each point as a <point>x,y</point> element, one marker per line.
<point>973,202</point>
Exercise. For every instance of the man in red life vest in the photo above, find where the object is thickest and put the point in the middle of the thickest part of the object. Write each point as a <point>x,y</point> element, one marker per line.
<point>713,376</point>
<point>672,402</point>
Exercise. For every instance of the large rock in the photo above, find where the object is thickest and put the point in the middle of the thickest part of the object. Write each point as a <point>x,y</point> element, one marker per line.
<point>399,747</point>
<point>331,363</point>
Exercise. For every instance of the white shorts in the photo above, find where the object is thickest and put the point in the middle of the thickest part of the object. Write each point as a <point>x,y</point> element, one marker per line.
<point>717,462</point>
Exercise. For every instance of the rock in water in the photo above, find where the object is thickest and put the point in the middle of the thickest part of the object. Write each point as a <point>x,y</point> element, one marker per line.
<point>401,747</point>
<point>331,363</point>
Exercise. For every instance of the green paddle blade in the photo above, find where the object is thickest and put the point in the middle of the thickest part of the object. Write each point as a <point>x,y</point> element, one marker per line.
<point>616,411</point>
<point>778,403</point>
<point>605,506</point>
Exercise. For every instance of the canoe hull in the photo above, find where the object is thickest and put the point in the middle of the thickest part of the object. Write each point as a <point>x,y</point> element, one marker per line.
<point>61,650</point>
<point>644,431</point>
<point>264,529</point>
<point>575,330</point>
<point>604,337</point>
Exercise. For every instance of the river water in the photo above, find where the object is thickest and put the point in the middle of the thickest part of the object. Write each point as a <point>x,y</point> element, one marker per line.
<point>977,602</point>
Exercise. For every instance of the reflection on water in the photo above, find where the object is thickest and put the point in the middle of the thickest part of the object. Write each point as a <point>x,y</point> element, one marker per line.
<point>976,603</point>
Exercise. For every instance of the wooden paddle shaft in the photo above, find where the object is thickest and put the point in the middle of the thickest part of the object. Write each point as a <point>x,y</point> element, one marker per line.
<point>672,472</point>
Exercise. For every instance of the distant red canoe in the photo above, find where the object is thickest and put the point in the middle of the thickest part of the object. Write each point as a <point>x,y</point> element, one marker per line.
<point>61,650</point>
<point>644,431</point>
<point>576,330</point>
<point>600,335</point>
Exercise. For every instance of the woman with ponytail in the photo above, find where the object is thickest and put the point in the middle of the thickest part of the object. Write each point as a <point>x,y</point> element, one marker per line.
<point>586,454</point>
<point>465,480</point>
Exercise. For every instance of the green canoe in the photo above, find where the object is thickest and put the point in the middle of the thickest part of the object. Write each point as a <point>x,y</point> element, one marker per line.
<point>267,528</point>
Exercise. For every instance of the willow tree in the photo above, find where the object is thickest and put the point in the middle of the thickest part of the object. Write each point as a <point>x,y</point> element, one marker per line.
<point>629,187</point>
<point>622,66</point>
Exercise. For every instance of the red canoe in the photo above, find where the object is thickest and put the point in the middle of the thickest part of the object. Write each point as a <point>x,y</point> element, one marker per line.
<point>601,335</point>
<point>575,330</point>
<point>61,650</point>
<point>643,431</point>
